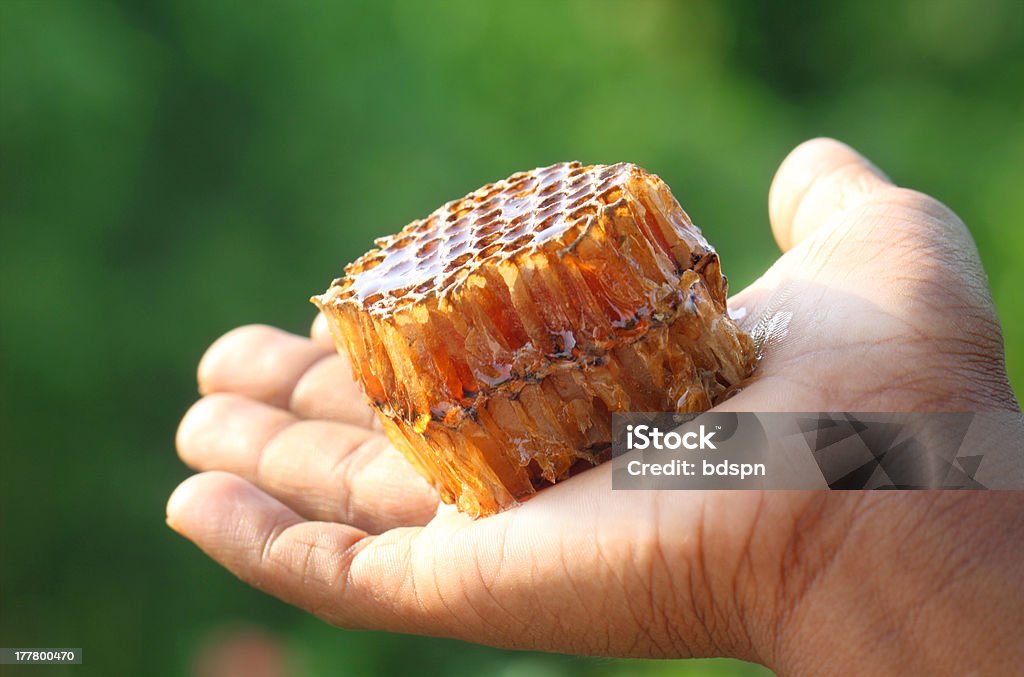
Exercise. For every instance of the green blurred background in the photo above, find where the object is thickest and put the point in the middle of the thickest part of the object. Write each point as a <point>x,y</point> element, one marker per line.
<point>172,170</point>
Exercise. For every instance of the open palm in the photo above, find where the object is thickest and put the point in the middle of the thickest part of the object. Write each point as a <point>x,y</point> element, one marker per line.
<point>878,304</point>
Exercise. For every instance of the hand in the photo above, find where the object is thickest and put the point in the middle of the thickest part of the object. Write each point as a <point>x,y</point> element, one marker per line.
<point>301,496</point>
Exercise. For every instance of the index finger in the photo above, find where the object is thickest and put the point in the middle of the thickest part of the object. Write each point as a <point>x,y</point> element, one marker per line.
<point>541,576</point>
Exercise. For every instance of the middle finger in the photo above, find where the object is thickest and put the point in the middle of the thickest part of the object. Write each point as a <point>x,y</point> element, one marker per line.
<point>323,470</point>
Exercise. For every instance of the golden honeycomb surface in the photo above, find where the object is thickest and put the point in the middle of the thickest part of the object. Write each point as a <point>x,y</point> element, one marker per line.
<point>495,337</point>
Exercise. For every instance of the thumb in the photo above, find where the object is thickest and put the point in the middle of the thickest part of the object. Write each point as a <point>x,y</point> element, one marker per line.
<point>818,180</point>
<point>888,272</point>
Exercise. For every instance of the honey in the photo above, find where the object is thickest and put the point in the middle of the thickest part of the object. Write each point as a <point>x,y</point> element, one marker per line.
<point>495,337</point>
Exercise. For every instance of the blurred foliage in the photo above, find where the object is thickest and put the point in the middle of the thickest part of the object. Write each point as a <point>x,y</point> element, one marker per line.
<point>171,170</point>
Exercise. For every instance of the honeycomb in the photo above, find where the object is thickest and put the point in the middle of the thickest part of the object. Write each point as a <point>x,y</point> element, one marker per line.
<point>495,337</point>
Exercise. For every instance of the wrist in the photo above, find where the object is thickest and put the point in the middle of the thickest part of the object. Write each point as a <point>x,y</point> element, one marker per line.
<point>922,582</point>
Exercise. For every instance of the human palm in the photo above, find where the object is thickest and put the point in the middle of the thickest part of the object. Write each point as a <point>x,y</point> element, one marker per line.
<point>878,304</point>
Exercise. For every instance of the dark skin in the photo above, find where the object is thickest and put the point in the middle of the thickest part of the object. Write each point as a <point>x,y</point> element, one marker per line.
<point>301,496</point>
